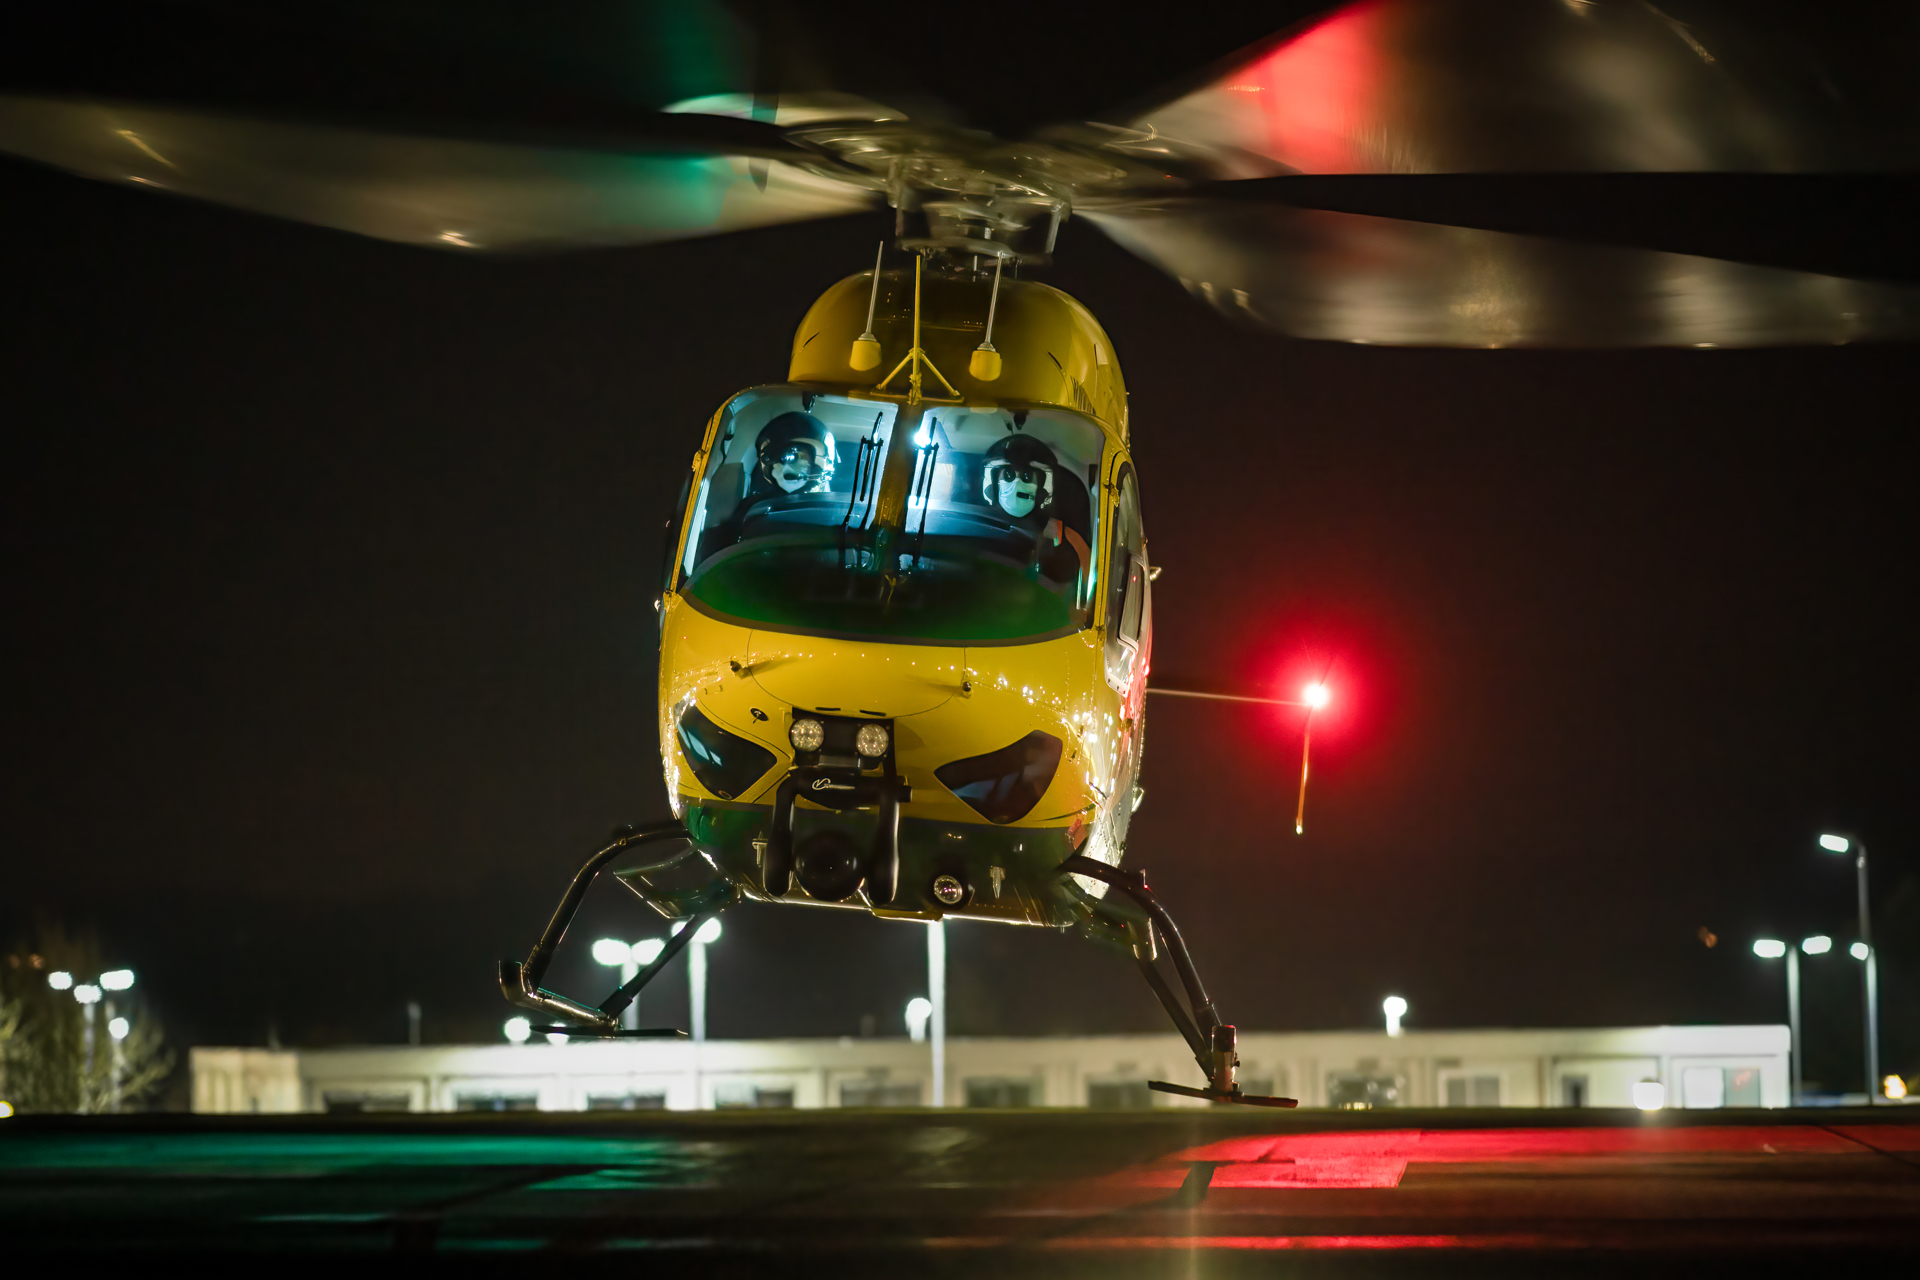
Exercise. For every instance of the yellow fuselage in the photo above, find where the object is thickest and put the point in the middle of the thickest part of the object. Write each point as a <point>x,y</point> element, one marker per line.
<point>944,699</point>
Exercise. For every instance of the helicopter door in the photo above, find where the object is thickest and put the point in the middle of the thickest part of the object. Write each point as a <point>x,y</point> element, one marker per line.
<point>1126,579</point>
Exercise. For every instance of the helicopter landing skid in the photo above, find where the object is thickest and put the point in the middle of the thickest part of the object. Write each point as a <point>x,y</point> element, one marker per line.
<point>1213,1042</point>
<point>520,982</point>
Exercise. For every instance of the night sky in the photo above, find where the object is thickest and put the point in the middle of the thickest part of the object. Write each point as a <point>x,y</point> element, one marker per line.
<point>329,585</point>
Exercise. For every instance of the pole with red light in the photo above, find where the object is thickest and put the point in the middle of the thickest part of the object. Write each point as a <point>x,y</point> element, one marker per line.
<point>1313,697</point>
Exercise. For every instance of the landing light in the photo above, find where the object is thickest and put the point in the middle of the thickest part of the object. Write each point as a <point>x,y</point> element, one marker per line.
<point>807,735</point>
<point>871,741</point>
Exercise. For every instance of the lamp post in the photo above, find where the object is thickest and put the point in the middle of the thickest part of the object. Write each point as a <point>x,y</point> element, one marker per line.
<point>937,1013</point>
<point>1871,974</point>
<point>1774,949</point>
<point>707,934</point>
<point>89,995</point>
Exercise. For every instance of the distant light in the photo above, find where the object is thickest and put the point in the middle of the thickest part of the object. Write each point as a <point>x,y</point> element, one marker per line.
<point>118,1028</point>
<point>709,932</point>
<point>6,1109</point>
<point>1835,844</point>
<point>1649,1095</point>
<point>1315,695</point>
<point>1893,1087</point>
<point>60,980</point>
<point>611,951</point>
<point>556,1037</point>
<point>923,437</point>
<point>647,950</point>
<point>1769,948</point>
<point>117,979</point>
<point>518,1029</point>
<point>1395,1008</point>
<point>455,237</point>
<point>87,993</point>
<point>1818,945</point>
<point>1859,951</point>
<point>919,1011</point>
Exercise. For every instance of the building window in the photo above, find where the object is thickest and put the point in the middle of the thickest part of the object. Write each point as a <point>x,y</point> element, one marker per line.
<point>627,1102</point>
<point>879,1093</point>
<point>1353,1091</point>
<point>1119,1095</point>
<point>1703,1087</point>
<point>1573,1091</point>
<point>734,1095</point>
<point>991,1092</point>
<point>337,1104</point>
<point>496,1102</point>
<point>1468,1090</point>
<point>1743,1086</point>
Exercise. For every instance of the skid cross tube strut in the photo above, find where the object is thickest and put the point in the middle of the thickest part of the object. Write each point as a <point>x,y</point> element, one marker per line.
<point>1213,1042</point>
<point>520,983</point>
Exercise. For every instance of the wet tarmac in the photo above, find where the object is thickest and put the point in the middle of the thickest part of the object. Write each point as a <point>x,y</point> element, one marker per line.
<point>1185,1193</point>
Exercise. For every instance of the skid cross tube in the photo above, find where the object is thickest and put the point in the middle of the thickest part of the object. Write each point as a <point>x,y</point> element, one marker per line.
<point>520,983</point>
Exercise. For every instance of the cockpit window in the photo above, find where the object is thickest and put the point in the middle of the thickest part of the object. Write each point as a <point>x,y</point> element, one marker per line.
<point>995,544</point>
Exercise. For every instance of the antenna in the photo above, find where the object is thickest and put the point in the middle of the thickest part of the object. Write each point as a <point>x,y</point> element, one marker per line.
<point>985,364</point>
<point>866,347</point>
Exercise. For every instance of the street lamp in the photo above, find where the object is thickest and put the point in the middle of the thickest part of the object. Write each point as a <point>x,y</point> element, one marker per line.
<point>919,1009</point>
<point>1395,1008</point>
<point>518,1030</point>
<point>1773,949</point>
<point>1871,973</point>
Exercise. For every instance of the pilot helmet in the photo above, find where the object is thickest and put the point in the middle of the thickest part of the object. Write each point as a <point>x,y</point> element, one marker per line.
<point>797,454</point>
<point>1018,476</point>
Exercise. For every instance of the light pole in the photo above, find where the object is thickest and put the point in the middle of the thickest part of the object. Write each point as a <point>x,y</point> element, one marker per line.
<point>705,936</point>
<point>88,995</point>
<point>1871,975</point>
<point>1773,949</point>
<point>937,999</point>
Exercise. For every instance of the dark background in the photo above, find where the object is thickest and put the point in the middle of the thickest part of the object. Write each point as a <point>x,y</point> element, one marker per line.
<point>330,569</point>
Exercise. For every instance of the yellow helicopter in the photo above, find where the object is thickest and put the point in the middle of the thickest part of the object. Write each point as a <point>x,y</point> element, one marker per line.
<point>905,603</point>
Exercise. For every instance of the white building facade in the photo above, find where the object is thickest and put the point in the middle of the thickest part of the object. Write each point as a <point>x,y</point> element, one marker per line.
<point>1718,1066</point>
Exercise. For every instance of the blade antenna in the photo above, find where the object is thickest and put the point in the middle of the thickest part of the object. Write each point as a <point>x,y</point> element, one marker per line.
<point>866,348</point>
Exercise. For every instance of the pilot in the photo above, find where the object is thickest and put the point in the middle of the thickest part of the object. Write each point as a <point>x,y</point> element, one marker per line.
<point>1018,478</point>
<point>796,456</point>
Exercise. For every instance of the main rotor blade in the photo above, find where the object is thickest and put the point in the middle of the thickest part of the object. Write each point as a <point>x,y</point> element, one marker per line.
<point>448,192</point>
<point>1858,225</point>
<point>1353,278</point>
<point>1488,86</point>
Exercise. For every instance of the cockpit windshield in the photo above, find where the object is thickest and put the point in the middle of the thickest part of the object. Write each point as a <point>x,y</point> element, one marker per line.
<point>788,528</point>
